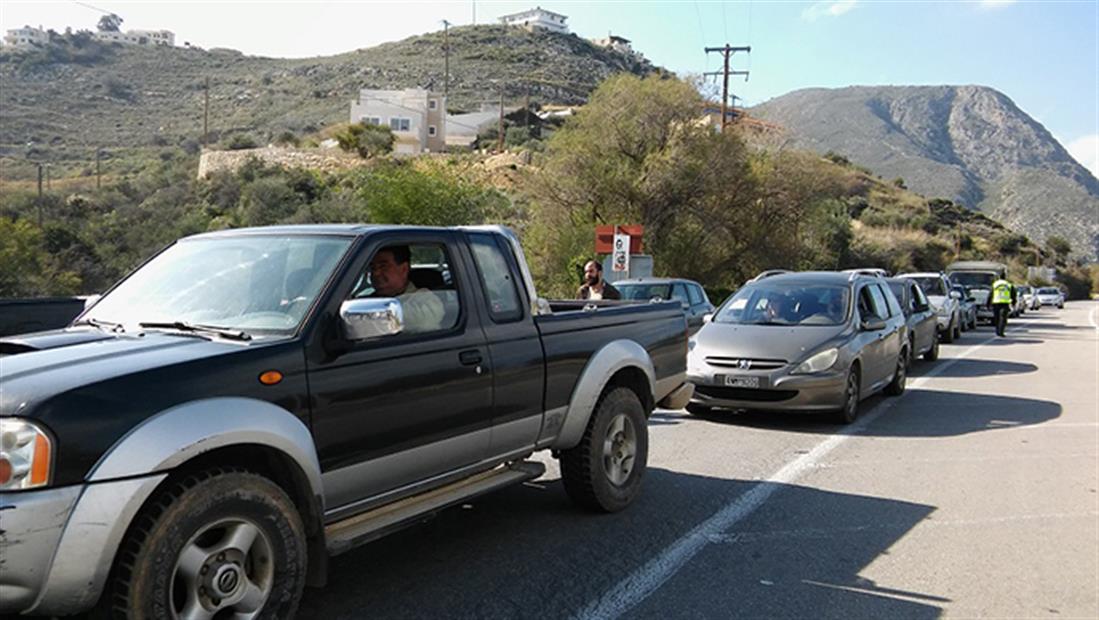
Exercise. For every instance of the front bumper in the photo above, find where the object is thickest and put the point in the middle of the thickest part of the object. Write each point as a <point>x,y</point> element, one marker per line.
<point>57,545</point>
<point>823,391</point>
<point>31,524</point>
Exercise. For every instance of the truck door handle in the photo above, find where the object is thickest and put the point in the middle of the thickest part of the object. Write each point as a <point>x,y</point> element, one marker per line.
<point>470,358</point>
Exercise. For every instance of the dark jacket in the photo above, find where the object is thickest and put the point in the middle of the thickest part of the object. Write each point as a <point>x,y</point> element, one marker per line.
<point>609,292</point>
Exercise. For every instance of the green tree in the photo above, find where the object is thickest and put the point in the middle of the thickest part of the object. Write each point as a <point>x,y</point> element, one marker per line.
<point>366,140</point>
<point>1059,246</point>
<point>397,193</point>
<point>640,153</point>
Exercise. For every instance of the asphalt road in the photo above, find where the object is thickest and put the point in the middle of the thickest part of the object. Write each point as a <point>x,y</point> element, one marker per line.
<point>973,494</point>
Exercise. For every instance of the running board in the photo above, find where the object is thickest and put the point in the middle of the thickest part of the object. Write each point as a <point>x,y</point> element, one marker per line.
<point>362,528</point>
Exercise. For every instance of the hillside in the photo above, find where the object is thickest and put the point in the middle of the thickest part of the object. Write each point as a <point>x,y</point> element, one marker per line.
<point>968,144</point>
<point>60,103</point>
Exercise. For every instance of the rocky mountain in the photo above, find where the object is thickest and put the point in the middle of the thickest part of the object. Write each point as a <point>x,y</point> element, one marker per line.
<point>970,144</point>
<point>78,93</point>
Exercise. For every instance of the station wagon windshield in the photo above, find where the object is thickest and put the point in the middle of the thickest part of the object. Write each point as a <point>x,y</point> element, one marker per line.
<point>795,303</point>
<point>258,284</point>
<point>931,286</point>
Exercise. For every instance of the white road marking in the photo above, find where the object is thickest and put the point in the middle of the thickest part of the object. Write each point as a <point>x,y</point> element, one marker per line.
<point>635,588</point>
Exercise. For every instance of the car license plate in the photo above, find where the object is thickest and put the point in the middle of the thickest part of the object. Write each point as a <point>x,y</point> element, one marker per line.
<point>741,382</point>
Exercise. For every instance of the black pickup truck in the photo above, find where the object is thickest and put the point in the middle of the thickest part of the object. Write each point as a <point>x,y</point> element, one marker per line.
<point>248,403</point>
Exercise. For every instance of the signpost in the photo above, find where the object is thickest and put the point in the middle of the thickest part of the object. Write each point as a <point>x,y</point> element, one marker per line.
<point>621,254</point>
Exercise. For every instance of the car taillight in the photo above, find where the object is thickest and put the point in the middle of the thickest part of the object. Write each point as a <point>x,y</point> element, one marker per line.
<point>26,454</point>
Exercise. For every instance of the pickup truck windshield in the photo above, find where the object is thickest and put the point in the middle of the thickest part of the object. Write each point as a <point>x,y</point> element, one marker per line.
<point>973,278</point>
<point>253,283</point>
<point>792,303</point>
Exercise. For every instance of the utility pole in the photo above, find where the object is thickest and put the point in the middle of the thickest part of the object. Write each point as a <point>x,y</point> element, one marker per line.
<point>727,52</point>
<point>500,138</point>
<point>48,187</point>
<point>205,118</point>
<point>446,63</point>
<point>39,194</point>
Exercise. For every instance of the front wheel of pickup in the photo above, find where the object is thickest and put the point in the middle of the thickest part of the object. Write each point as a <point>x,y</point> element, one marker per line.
<point>219,543</point>
<point>603,472</point>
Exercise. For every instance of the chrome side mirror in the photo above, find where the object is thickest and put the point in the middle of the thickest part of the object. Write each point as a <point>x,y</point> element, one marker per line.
<point>706,318</point>
<point>365,319</point>
<point>955,295</point>
<point>873,324</point>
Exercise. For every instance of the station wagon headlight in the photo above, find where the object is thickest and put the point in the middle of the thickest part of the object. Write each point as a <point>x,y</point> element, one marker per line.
<point>25,455</point>
<point>821,361</point>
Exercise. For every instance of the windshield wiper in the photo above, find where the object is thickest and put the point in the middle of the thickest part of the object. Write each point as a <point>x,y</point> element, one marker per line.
<point>101,324</point>
<point>183,326</point>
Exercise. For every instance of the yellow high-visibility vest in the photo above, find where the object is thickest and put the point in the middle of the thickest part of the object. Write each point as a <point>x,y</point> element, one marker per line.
<point>1001,292</point>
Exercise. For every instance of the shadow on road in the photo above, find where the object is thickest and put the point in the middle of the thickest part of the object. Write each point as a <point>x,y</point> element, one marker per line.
<point>920,413</point>
<point>970,368</point>
<point>527,552</point>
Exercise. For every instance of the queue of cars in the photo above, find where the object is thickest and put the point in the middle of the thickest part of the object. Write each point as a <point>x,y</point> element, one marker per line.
<point>824,341</point>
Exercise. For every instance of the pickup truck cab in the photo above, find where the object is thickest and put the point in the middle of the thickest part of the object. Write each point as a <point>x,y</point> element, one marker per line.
<point>250,402</point>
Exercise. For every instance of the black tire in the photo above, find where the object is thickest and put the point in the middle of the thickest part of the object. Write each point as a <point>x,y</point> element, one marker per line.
<point>900,376</point>
<point>588,472</point>
<point>932,354</point>
<point>852,388</point>
<point>699,410</point>
<point>204,511</point>
<point>948,334</point>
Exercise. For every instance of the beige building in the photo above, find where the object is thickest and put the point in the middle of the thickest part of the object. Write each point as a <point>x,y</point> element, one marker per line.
<point>616,43</point>
<point>416,116</point>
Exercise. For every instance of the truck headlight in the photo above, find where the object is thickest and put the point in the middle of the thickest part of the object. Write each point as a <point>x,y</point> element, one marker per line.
<point>818,362</point>
<point>25,455</point>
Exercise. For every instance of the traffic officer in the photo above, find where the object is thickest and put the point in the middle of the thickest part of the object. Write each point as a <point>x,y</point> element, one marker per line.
<point>1002,300</point>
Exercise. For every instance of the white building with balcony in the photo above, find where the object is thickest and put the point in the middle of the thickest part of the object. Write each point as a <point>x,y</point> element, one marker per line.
<point>416,116</point>
<point>150,38</point>
<point>537,18</point>
<point>26,36</point>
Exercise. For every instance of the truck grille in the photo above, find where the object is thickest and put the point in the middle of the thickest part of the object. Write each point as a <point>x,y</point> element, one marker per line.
<point>731,393</point>
<point>744,363</point>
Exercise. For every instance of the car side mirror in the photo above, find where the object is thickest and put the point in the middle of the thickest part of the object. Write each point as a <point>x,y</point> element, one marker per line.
<point>873,324</point>
<point>955,295</point>
<point>706,318</point>
<point>366,319</point>
<point>971,298</point>
<point>922,308</point>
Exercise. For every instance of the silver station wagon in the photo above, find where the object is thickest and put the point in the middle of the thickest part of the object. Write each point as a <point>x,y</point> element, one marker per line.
<point>810,341</point>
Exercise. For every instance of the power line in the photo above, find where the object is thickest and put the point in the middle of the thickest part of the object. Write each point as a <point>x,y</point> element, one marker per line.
<point>727,51</point>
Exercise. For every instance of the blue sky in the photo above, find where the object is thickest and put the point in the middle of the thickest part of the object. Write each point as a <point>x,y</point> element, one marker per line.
<point>1042,54</point>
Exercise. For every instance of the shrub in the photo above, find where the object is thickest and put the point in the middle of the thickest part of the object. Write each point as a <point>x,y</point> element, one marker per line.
<point>366,140</point>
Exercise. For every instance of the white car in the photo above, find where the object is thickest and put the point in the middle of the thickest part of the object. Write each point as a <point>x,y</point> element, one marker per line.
<point>943,301</point>
<point>1051,296</point>
<point>1030,297</point>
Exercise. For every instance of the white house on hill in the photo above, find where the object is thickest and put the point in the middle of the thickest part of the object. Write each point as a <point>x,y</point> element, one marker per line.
<point>26,37</point>
<point>537,18</point>
<point>138,37</point>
